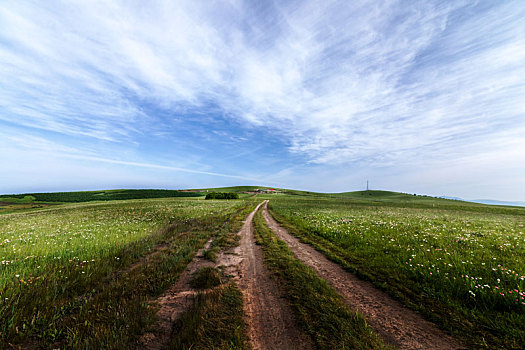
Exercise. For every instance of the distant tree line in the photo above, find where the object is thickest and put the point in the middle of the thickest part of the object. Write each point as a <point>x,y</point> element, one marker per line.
<point>17,200</point>
<point>88,196</point>
<point>222,195</point>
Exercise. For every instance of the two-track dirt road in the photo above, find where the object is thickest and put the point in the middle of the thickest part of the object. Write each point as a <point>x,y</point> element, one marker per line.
<point>396,324</point>
<point>271,324</point>
<point>269,316</point>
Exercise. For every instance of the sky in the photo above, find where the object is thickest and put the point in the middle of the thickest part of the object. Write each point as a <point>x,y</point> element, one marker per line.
<point>422,97</point>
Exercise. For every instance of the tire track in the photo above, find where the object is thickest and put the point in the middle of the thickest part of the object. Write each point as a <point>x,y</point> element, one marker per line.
<point>397,325</point>
<point>271,324</point>
<point>174,302</point>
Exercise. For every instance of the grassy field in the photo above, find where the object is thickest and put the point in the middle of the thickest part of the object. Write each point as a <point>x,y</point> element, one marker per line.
<point>460,264</point>
<point>81,275</point>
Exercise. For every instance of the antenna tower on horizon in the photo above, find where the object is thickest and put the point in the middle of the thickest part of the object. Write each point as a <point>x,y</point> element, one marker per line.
<point>367,185</point>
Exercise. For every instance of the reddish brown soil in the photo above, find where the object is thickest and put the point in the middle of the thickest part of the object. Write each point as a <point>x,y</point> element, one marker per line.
<point>173,303</point>
<point>270,320</point>
<point>397,325</point>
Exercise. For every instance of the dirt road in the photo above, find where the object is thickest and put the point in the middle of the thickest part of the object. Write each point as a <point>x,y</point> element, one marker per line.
<point>397,325</point>
<point>271,324</point>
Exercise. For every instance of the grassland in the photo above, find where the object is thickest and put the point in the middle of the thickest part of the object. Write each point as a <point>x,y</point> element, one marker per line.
<point>82,275</point>
<point>215,321</point>
<point>462,265</point>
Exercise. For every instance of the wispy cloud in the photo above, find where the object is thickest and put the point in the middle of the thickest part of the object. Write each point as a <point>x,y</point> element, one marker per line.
<point>163,167</point>
<point>364,83</point>
<point>44,148</point>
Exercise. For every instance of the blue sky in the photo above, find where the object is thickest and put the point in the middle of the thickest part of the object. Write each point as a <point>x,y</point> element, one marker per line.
<point>416,96</point>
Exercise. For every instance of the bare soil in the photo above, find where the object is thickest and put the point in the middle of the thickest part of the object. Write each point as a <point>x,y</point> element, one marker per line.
<point>271,324</point>
<point>174,302</point>
<point>396,324</point>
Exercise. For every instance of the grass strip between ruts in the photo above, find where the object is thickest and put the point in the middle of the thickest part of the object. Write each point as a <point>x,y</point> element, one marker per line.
<point>319,309</point>
<point>215,321</point>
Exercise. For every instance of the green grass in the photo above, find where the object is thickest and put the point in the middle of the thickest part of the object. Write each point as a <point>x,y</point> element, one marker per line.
<point>104,195</point>
<point>18,200</point>
<point>320,310</point>
<point>461,265</point>
<point>83,275</point>
<point>215,321</point>
<point>67,279</point>
<point>206,277</point>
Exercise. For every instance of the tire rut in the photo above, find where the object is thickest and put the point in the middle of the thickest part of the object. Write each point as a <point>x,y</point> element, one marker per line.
<point>174,302</point>
<point>271,324</point>
<point>395,323</point>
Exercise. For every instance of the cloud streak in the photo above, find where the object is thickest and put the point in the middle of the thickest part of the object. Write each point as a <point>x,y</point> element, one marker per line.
<point>366,83</point>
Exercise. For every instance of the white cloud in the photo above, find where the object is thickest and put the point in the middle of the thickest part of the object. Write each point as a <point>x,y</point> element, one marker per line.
<point>384,83</point>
